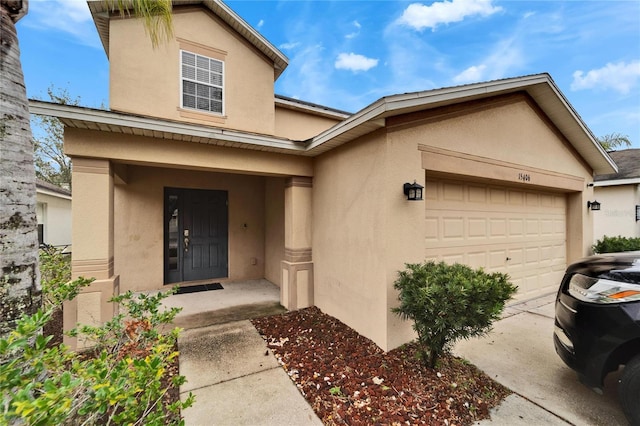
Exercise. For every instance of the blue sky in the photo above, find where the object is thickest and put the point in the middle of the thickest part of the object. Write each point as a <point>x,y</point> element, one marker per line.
<point>348,54</point>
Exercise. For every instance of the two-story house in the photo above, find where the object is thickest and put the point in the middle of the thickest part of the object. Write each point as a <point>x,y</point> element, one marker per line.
<point>200,172</point>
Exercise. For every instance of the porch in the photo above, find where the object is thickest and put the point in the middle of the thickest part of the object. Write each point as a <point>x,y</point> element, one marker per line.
<point>235,301</point>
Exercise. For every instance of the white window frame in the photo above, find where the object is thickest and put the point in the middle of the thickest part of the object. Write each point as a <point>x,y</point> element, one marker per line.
<point>184,79</point>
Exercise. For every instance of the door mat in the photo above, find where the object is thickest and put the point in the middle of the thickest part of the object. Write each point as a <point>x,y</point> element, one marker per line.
<point>200,287</point>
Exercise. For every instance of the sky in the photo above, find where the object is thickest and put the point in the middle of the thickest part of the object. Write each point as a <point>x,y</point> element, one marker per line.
<point>348,54</point>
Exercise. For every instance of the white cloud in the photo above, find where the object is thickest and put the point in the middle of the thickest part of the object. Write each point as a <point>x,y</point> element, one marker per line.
<point>67,16</point>
<point>64,15</point>
<point>420,16</point>
<point>356,32</point>
<point>505,59</point>
<point>289,46</point>
<point>354,62</point>
<point>260,24</point>
<point>473,73</point>
<point>621,77</point>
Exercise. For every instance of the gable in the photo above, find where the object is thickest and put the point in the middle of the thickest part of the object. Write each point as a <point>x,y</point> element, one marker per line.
<point>149,82</point>
<point>509,129</point>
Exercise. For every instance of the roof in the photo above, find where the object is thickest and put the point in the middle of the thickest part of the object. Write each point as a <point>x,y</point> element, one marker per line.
<point>100,13</point>
<point>297,104</point>
<point>539,87</point>
<point>628,161</point>
<point>51,189</point>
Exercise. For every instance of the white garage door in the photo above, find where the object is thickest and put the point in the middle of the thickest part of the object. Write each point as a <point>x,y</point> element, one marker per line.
<point>502,229</point>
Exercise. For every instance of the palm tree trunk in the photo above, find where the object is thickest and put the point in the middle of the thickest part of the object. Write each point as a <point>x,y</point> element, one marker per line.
<point>20,280</point>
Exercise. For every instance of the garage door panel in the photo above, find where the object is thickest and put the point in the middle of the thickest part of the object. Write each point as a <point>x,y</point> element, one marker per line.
<point>477,228</point>
<point>497,258</point>
<point>498,227</point>
<point>501,229</point>
<point>477,194</point>
<point>432,234</point>
<point>498,196</point>
<point>532,227</point>
<point>547,227</point>
<point>453,228</point>
<point>516,198</point>
<point>452,192</point>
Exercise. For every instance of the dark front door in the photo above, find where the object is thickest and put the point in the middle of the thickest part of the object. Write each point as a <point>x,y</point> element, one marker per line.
<point>196,234</point>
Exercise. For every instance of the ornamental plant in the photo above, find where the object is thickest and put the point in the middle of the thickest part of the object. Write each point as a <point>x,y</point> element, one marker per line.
<point>122,380</point>
<point>449,302</point>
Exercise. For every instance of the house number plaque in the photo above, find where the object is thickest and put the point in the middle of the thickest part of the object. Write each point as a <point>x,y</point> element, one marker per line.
<point>524,177</point>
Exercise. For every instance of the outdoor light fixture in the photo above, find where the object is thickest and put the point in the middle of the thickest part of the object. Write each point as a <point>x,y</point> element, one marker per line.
<point>593,205</point>
<point>637,213</point>
<point>413,191</point>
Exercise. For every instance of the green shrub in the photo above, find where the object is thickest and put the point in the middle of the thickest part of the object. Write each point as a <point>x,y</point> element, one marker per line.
<point>55,276</point>
<point>616,244</point>
<point>121,381</point>
<point>449,302</point>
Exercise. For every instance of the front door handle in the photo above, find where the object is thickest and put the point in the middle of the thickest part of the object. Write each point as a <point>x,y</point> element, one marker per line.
<point>186,240</point>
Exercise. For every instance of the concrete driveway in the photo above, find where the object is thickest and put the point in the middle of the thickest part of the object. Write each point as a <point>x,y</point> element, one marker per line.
<point>519,353</point>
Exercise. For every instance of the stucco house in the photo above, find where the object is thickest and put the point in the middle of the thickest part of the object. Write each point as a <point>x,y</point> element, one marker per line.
<point>619,197</point>
<point>200,172</point>
<point>53,210</point>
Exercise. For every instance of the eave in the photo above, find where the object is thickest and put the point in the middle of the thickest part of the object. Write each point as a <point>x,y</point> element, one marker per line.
<point>617,182</point>
<point>100,13</point>
<point>114,122</point>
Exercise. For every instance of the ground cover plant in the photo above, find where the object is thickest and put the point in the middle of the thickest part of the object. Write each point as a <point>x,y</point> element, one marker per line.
<point>348,379</point>
<point>126,378</point>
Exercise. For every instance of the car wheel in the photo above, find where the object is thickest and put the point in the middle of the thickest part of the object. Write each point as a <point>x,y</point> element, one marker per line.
<point>629,390</point>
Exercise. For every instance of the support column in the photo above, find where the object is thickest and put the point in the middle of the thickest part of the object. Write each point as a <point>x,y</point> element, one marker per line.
<point>296,291</point>
<point>92,246</point>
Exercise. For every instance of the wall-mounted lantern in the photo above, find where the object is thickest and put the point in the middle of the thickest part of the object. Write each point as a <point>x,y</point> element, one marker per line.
<point>413,191</point>
<point>593,205</point>
<point>637,213</point>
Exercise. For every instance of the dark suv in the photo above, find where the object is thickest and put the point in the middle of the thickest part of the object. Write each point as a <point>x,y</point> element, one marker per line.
<point>597,325</point>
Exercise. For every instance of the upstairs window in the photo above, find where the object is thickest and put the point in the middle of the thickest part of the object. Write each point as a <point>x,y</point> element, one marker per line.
<point>202,80</point>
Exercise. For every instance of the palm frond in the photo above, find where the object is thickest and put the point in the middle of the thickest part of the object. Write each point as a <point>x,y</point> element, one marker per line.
<point>156,14</point>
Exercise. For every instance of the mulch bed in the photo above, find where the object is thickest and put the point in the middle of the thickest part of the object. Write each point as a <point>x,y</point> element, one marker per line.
<point>347,379</point>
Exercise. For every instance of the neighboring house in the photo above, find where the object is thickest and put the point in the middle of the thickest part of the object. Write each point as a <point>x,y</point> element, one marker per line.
<point>619,198</point>
<point>200,173</point>
<point>54,215</point>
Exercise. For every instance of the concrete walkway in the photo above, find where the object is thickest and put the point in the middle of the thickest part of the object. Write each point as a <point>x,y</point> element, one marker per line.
<point>237,380</point>
<point>519,354</point>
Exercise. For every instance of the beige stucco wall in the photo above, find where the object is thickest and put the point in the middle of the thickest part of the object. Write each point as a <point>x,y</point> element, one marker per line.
<point>54,212</point>
<point>297,125</point>
<point>274,228</point>
<point>178,154</point>
<point>138,250</point>
<point>147,81</point>
<point>349,235</point>
<point>374,230</point>
<point>617,215</point>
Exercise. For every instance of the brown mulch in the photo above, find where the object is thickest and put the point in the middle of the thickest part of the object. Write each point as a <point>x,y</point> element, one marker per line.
<point>348,379</point>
